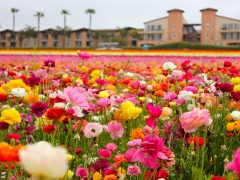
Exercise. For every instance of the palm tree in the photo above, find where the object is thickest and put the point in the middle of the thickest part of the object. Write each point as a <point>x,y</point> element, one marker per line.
<point>64,12</point>
<point>14,11</point>
<point>27,33</point>
<point>38,15</point>
<point>90,12</point>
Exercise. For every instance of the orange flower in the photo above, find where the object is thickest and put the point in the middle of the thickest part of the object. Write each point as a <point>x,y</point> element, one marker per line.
<point>9,153</point>
<point>182,84</point>
<point>229,117</point>
<point>137,134</point>
<point>32,98</point>
<point>119,116</point>
<point>110,177</point>
<point>119,158</point>
<point>159,93</point>
<point>66,81</point>
<point>164,86</point>
<point>156,87</point>
<point>55,113</point>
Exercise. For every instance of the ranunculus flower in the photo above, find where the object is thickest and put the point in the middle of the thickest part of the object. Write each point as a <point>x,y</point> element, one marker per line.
<point>44,160</point>
<point>92,130</point>
<point>104,153</point>
<point>191,121</point>
<point>154,111</point>
<point>84,55</point>
<point>111,146</point>
<point>235,164</point>
<point>133,170</point>
<point>39,108</point>
<point>82,172</point>
<point>10,116</point>
<point>169,66</point>
<point>49,63</point>
<point>54,113</point>
<point>14,136</point>
<point>18,92</point>
<point>116,130</point>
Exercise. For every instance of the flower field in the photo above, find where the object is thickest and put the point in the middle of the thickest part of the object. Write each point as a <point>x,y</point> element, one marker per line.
<point>120,115</point>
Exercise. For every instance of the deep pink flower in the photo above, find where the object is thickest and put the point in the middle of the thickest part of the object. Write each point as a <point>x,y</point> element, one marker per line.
<point>135,84</point>
<point>154,111</point>
<point>14,136</point>
<point>39,108</point>
<point>49,63</point>
<point>151,122</point>
<point>103,153</point>
<point>224,87</point>
<point>116,129</point>
<point>191,88</point>
<point>81,172</point>
<point>101,82</point>
<point>84,55</point>
<point>235,164</point>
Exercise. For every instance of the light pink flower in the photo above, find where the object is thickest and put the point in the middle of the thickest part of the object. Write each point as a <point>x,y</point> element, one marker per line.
<point>104,153</point>
<point>133,170</point>
<point>191,121</point>
<point>235,164</point>
<point>191,88</point>
<point>75,96</point>
<point>135,142</point>
<point>116,129</point>
<point>111,146</point>
<point>92,130</point>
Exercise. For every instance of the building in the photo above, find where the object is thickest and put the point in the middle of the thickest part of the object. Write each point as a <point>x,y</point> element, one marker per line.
<point>79,38</point>
<point>219,30</point>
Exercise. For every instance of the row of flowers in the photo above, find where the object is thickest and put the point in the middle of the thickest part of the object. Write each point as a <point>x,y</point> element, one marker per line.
<point>143,120</point>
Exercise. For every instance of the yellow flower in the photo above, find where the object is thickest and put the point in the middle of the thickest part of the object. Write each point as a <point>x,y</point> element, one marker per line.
<point>142,99</point>
<point>69,174</point>
<point>122,171</point>
<point>10,116</point>
<point>2,91</point>
<point>79,81</point>
<point>237,125</point>
<point>16,83</point>
<point>84,69</point>
<point>172,103</point>
<point>230,126</point>
<point>235,80</point>
<point>236,88</point>
<point>166,112</point>
<point>96,72</point>
<point>69,157</point>
<point>111,87</point>
<point>103,94</point>
<point>97,176</point>
<point>129,111</point>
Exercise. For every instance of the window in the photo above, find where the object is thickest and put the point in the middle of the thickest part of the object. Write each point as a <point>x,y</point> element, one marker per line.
<point>230,26</point>
<point>174,36</point>
<point>78,44</point>
<point>88,43</point>
<point>13,45</point>
<point>79,35</point>
<point>44,44</point>
<point>207,35</point>
<point>55,43</point>
<point>207,25</point>
<point>224,26</point>
<point>159,27</point>
<point>236,26</point>
<point>174,26</point>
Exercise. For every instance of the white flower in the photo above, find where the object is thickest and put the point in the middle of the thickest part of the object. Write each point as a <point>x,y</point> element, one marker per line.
<point>236,115</point>
<point>176,73</point>
<point>59,105</point>
<point>77,111</point>
<point>186,95</point>
<point>149,87</point>
<point>42,159</point>
<point>18,92</point>
<point>97,118</point>
<point>53,95</point>
<point>169,66</point>
<point>129,74</point>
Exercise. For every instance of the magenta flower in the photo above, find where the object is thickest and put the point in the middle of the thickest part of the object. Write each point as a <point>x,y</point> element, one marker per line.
<point>39,108</point>
<point>151,122</point>
<point>133,170</point>
<point>84,55</point>
<point>116,129</point>
<point>81,172</point>
<point>49,63</point>
<point>104,102</point>
<point>191,121</point>
<point>235,164</point>
<point>193,89</point>
<point>104,153</point>
<point>154,111</point>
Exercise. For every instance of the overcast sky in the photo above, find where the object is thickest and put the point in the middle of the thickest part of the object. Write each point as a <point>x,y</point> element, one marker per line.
<point>109,13</point>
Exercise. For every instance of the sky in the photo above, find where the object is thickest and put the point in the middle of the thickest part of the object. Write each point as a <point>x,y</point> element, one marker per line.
<point>109,13</point>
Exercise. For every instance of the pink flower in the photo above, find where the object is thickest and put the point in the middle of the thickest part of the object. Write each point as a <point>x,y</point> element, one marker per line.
<point>75,96</point>
<point>135,142</point>
<point>170,96</point>
<point>116,129</point>
<point>92,130</point>
<point>81,172</point>
<point>151,122</point>
<point>191,88</point>
<point>154,111</point>
<point>235,164</point>
<point>104,102</point>
<point>111,146</point>
<point>149,130</point>
<point>135,84</point>
<point>133,170</point>
<point>104,153</point>
<point>191,121</point>
<point>101,82</point>
<point>84,55</point>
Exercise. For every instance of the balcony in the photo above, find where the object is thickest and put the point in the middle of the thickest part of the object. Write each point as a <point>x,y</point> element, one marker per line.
<point>152,32</point>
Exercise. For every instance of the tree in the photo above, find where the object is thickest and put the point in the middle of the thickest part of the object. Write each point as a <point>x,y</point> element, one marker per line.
<point>27,33</point>
<point>38,15</point>
<point>65,13</point>
<point>90,12</point>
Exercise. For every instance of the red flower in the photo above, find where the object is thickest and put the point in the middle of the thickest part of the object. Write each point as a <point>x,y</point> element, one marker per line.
<point>14,136</point>
<point>227,64</point>
<point>160,174</point>
<point>49,128</point>
<point>218,178</point>
<point>224,87</point>
<point>198,141</point>
<point>235,96</point>
<point>55,113</point>
<point>3,97</point>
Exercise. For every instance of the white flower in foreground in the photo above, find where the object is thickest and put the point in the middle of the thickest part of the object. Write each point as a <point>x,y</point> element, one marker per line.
<point>169,66</point>
<point>18,92</point>
<point>236,115</point>
<point>44,160</point>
